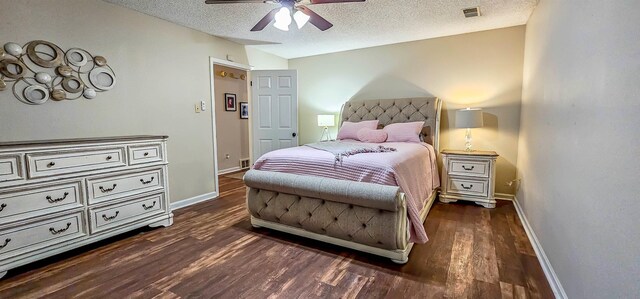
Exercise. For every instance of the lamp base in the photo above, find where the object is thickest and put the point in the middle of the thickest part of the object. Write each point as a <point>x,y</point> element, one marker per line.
<point>467,139</point>
<point>326,136</point>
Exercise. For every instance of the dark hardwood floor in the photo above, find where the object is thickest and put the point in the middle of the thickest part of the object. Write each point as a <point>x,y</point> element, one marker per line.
<point>213,252</point>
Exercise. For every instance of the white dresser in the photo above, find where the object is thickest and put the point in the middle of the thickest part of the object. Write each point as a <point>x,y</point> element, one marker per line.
<point>58,195</point>
<point>469,176</point>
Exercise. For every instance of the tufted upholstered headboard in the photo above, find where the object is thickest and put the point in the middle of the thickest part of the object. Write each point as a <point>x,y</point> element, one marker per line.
<point>389,111</point>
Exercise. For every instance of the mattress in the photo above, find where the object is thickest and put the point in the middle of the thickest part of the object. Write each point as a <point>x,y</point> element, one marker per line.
<point>412,167</point>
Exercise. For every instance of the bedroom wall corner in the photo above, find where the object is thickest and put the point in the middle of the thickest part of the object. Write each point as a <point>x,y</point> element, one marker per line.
<point>162,71</point>
<point>481,69</point>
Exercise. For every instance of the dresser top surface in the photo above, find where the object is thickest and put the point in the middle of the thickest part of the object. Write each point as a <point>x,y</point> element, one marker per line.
<point>81,140</point>
<point>471,153</point>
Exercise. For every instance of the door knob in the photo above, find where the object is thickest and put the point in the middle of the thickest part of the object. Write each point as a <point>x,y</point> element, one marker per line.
<point>294,134</point>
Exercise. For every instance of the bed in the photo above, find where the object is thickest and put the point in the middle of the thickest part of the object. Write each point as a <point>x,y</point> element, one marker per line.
<point>372,202</point>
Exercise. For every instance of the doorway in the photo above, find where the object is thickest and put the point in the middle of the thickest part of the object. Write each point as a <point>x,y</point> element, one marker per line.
<point>231,102</point>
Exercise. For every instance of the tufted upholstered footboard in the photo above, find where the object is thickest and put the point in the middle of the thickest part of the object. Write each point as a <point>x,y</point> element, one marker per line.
<point>363,216</point>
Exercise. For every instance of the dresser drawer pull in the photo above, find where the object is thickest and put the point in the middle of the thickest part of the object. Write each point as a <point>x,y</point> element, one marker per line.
<point>109,158</point>
<point>2,206</point>
<point>107,190</point>
<point>51,164</point>
<point>109,218</point>
<point>146,154</point>
<point>51,200</point>
<point>146,182</point>
<point>465,187</point>
<point>468,168</point>
<point>62,230</point>
<point>6,242</point>
<point>144,206</point>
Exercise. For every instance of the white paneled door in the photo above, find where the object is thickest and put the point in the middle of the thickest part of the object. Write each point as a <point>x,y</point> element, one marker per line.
<point>274,98</point>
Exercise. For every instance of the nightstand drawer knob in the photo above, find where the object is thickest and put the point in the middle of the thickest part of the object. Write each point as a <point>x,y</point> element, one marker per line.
<point>465,187</point>
<point>468,168</point>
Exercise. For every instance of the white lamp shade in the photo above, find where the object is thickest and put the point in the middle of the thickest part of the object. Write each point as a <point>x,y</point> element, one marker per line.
<point>469,118</point>
<point>326,120</point>
<point>301,19</point>
<point>283,19</point>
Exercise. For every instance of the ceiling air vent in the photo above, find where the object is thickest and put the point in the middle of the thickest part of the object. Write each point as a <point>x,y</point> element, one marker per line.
<point>471,12</point>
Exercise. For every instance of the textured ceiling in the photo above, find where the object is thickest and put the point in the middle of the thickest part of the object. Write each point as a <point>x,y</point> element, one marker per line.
<point>356,25</point>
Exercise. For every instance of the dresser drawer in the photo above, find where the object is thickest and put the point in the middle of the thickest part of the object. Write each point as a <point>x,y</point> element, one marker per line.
<point>48,164</point>
<point>120,214</point>
<point>468,187</point>
<point>106,188</point>
<point>10,168</point>
<point>469,168</point>
<point>35,201</point>
<point>39,235</point>
<point>145,154</point>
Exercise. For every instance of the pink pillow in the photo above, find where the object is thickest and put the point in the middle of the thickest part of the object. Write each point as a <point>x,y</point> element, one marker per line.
<point>373,136</point>
<point>350,130</point>
<point>404,132</point>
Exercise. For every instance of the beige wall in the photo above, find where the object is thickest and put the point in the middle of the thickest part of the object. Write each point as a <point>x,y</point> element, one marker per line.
<point>579,143</point>
<point>162,71</point>
<point>482,69</point>
<point>232,131</point>
<point>265,61</point>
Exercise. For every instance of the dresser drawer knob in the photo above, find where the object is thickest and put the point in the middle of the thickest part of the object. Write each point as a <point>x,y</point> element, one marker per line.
<point>107,190</point>
<point>58,231</point>
<point>109,158</point>
<point>51,164</point>
<point>145,207</point>
<point>51,200</point>
<point>468,168</point>
<point>146,182</point>
<point>465,187</point>
<point>2,206</point>
<point>6,242</point>
<point>146,154</point>
<point>109,218</point>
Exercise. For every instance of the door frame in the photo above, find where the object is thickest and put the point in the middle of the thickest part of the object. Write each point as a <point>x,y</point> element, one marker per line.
<point>212,107</point>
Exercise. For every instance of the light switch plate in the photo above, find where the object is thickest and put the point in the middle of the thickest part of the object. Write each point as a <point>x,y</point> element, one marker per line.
<point>203,105</point>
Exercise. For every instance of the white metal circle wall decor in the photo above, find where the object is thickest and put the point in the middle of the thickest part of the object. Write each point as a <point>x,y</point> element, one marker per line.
<point>40,70</point>
<point>36,94</point>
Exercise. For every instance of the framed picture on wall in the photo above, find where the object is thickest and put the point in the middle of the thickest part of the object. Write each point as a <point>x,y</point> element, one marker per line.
<point>230,103</point>
<point>244,110</point>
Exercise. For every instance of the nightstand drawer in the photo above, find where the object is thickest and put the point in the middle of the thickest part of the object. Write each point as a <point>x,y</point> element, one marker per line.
<point>469,187</point>
<point>469,168</point>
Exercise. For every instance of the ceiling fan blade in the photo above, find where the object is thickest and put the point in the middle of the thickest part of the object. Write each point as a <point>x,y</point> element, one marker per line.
<point>266,20</point>
<point>316,19</point>
<point>333,1</point>
<point>236,1</point>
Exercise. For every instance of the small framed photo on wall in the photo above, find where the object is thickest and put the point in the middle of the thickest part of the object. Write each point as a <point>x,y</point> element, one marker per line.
<point>244,110</point>
<point>230,103</point>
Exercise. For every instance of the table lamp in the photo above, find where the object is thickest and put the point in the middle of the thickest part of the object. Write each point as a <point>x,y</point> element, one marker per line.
<point>467,119</point>
<point>326,121</point>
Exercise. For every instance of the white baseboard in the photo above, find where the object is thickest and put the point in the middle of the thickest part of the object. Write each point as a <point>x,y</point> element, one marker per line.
<point>504,196</point>
<point>554,282</point>
<point>193,200</point>
<point>229,170</point>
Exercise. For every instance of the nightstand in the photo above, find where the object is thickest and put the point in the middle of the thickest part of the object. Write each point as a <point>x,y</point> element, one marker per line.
<point>469,176</point>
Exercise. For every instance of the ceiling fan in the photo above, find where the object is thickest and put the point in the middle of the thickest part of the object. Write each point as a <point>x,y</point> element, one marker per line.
<point>282,15</point>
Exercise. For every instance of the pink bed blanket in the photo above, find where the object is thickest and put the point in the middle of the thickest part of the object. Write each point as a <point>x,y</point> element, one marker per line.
<point>412,167</point>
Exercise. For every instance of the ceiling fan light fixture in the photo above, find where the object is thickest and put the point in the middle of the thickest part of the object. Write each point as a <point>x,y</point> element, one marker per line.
<point>283,19</point>
<point>301,18</point>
